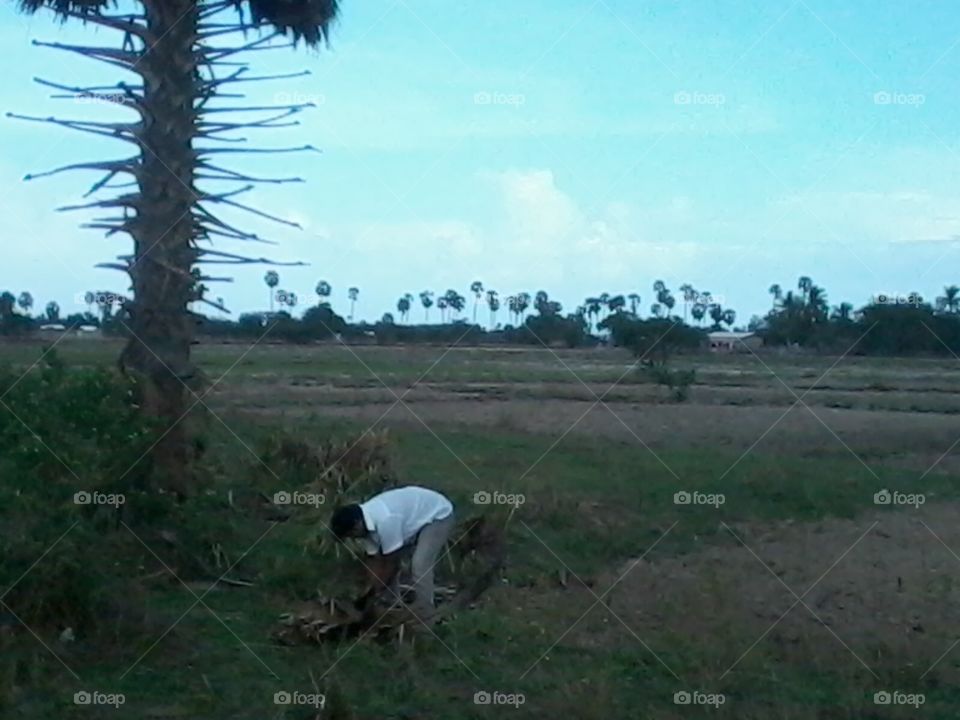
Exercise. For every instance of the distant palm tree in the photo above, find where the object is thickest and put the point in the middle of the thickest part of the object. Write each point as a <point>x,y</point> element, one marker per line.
<point>843,312</point>
<point>25,301</point>
<point>323,291</point>
<point>689,296</point>
<point>634,302</point>
<point>777,292</point>
<point>272,279</point>
<point>353,293</point>
<point>53,311</point>
<point>698,311</point>
<point>523,302</point>
<point>493,302</point>
<point>494,305</point>
<point>804,284</point>
<point>476,287</point>
<point>950,300</point>
<point>442,305</point>
<point>455,301</point>
<point>817,303</point>
<point>403,307</point>
<point>616,303</point>
<point>593,305</point>
<point>512,306</point>
<point>426,299</point>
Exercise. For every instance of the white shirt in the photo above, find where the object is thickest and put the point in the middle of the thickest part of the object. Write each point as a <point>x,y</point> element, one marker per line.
<point>396,516</point>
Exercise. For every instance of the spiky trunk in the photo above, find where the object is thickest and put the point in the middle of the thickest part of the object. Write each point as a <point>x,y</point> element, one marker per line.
<point>163,231</point>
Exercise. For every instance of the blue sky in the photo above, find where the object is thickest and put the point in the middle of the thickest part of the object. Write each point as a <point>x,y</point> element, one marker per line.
<point>566,145</point>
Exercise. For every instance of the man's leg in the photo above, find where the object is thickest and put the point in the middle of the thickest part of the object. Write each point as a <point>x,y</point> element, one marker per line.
<point>430,544</point>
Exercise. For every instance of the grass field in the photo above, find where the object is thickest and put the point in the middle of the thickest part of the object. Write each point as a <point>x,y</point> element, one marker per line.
<point>798,597</point>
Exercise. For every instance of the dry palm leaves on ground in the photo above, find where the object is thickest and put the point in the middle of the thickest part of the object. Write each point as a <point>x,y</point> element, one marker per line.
<point>479,557</point>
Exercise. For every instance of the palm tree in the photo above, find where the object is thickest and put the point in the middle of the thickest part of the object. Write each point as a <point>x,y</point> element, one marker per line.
<point>353,293</point>
<point>593,305</point>
<point>777,292</point>
<point>7,303</point>
<point>698,311</point>
<point>455,301</point>
<point>25,301</point>
<point>272,279</point>
<point>53,311</point>
<point>616,303</point>
<point>950,300</point>
<point>403,306</point>
<point>689,296</point>
<point>476,287</point>
<point>817,303</point>
<point>493,302</point>
<point>804,284</point>
<point>842,312</point>
<point>323,291</point>
<point>634,302</point>
<point>512,308</point>
<point>174,47</point>
<point>426,299</point>
<point>442,304</point>
<point>523,302</point>
<point>604,299</point>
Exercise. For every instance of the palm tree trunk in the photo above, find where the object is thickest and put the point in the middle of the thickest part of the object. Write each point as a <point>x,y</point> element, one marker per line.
<point>158,352</point>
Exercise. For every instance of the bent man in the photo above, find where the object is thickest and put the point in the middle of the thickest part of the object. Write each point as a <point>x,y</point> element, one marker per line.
<point>392,521</point>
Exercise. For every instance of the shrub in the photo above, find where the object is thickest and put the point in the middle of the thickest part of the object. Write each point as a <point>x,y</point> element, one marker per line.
<point>63,432</point>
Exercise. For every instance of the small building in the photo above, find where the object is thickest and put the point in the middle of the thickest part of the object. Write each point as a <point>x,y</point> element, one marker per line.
<point>724,341</point>
<point>88,331</point>
<point>53,327</point>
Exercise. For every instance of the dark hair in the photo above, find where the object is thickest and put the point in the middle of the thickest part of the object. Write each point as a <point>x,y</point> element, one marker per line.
<point>345,519</point>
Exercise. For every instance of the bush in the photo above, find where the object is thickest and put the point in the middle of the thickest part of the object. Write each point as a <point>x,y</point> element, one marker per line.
<point>64,432</point>
<point>677,381</point>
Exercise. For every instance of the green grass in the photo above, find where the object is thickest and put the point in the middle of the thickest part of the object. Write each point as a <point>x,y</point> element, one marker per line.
<point>591,504</point>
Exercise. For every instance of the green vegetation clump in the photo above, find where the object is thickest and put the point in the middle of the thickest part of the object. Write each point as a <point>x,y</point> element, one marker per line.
<point>70,445</point>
